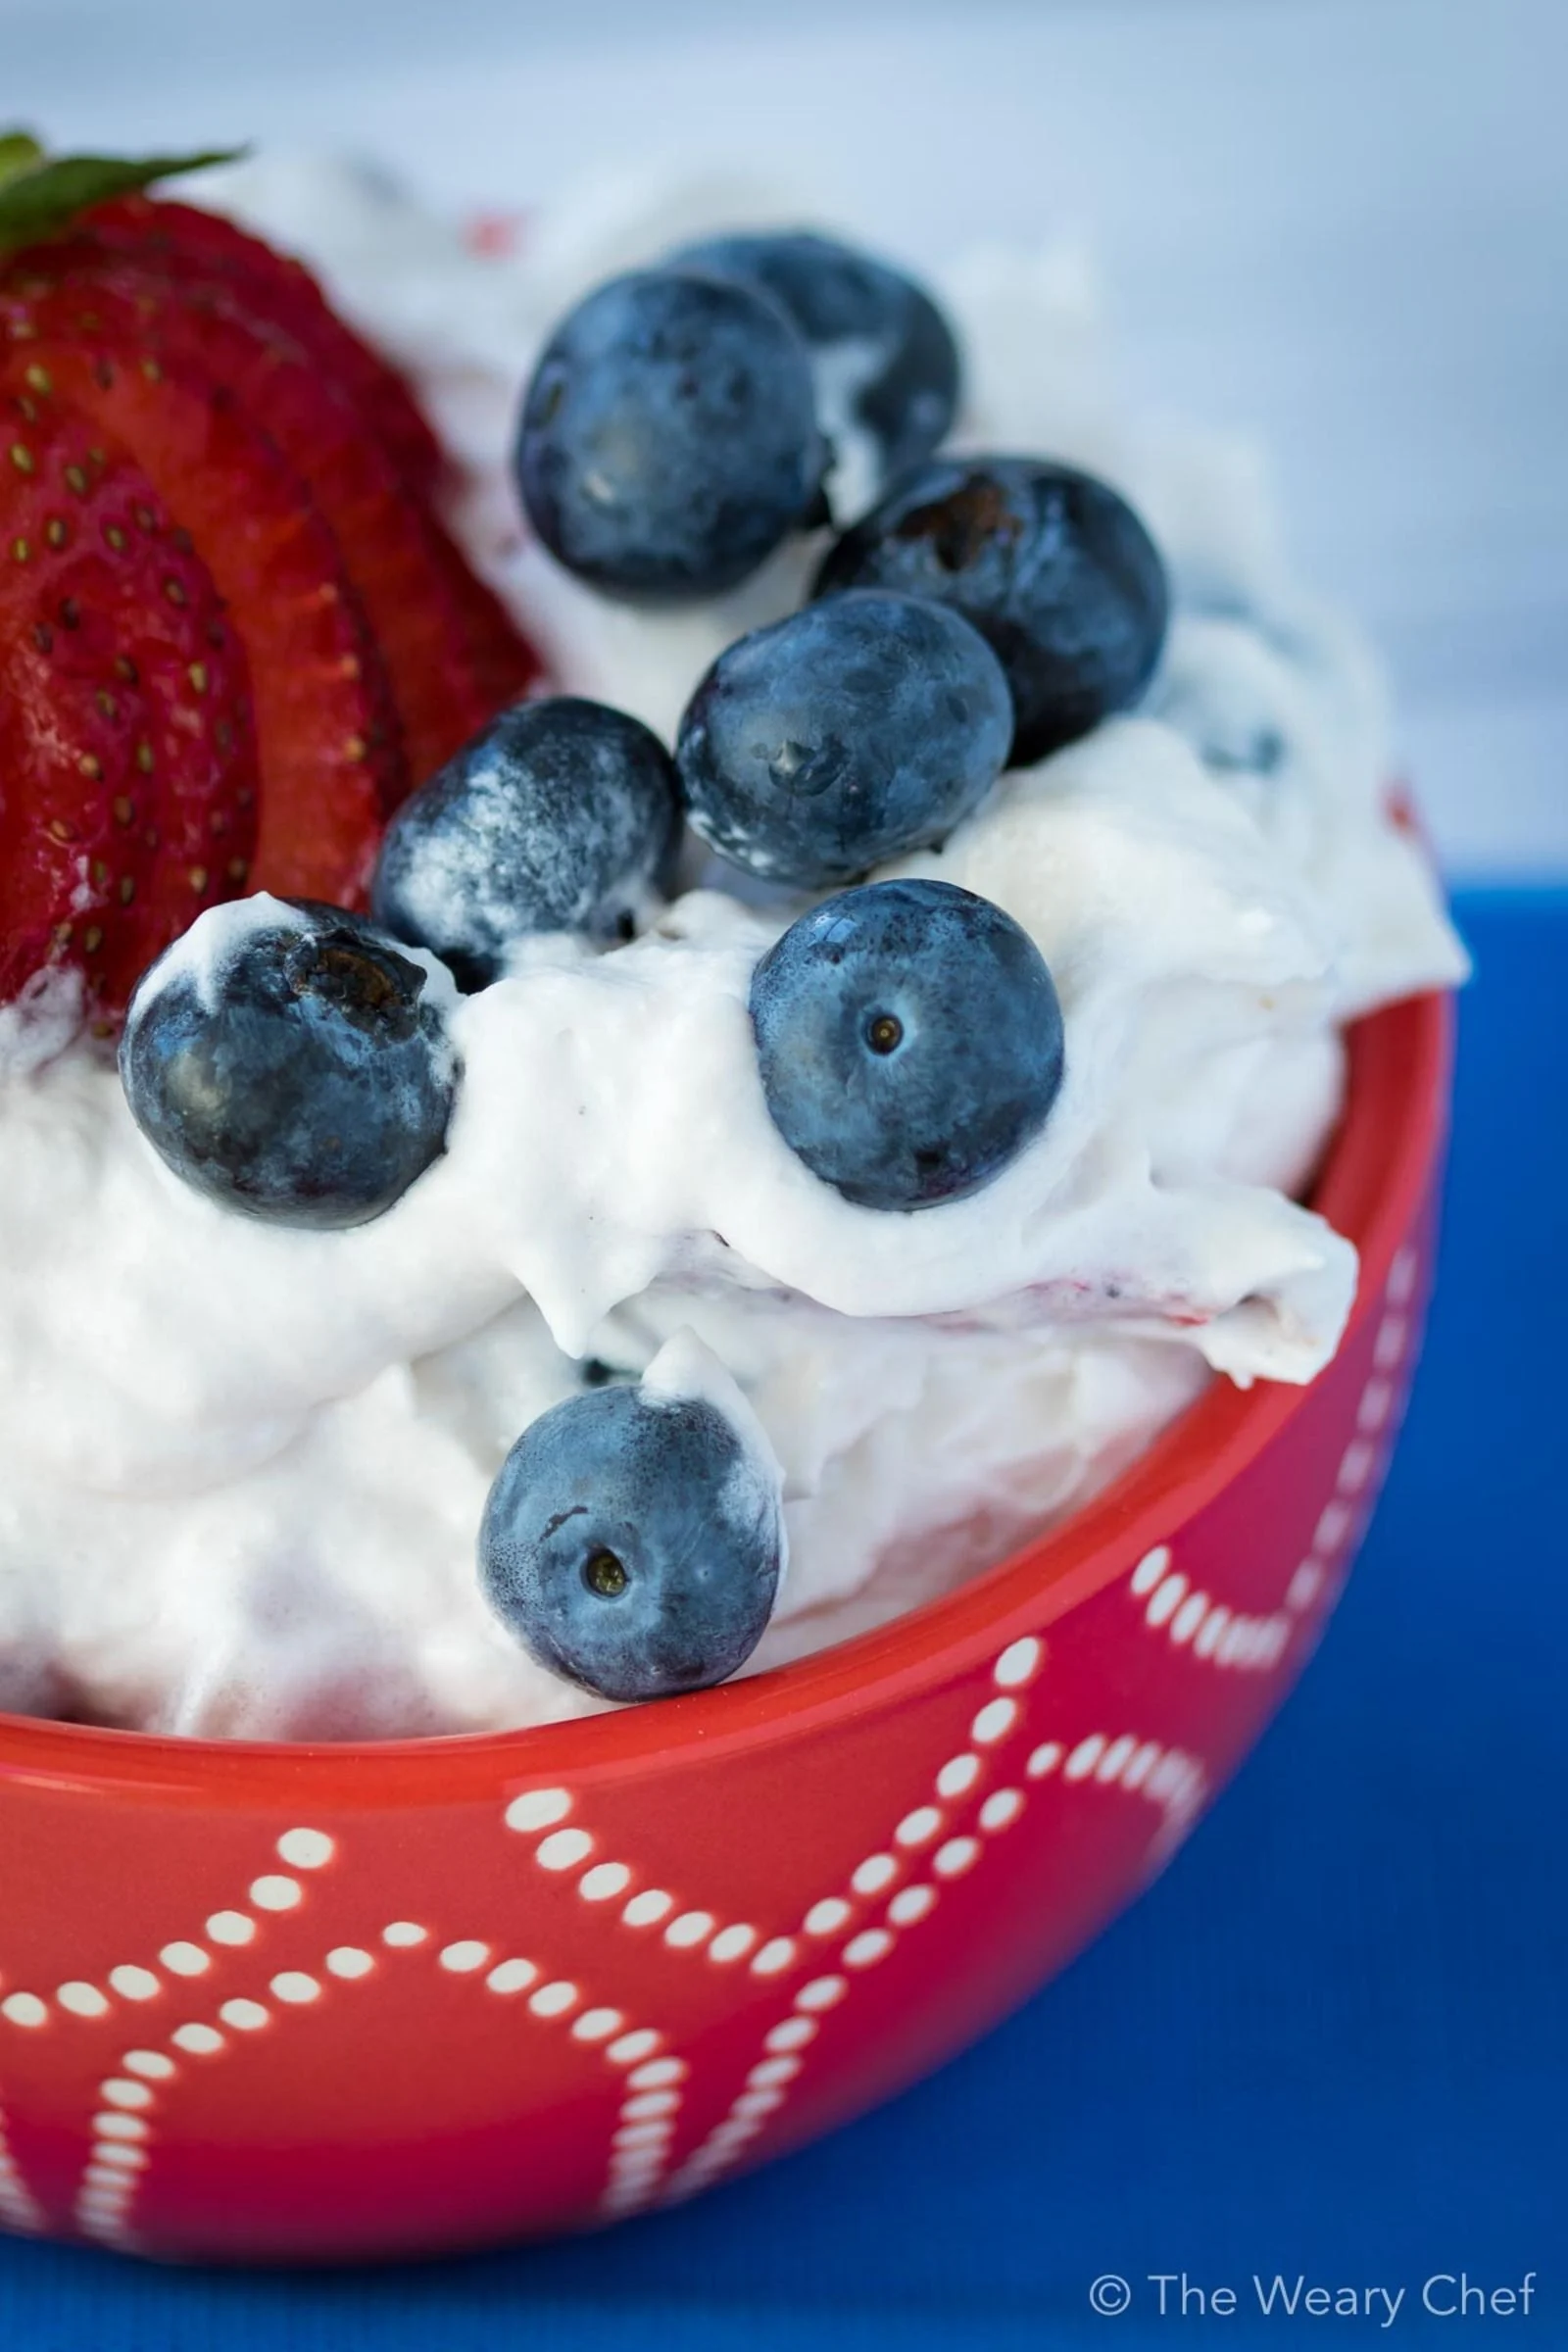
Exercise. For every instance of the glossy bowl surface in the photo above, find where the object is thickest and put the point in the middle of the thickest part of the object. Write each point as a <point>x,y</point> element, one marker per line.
<point>325,2003</point>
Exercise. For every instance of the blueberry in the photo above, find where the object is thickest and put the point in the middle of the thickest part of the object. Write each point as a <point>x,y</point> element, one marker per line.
<point>289,1063</point>
<point>852,731</point>
<point>561,815</point>
<point>1238,703</point>
<point>909,1041</point>
<point>632,1544</point>
<point>1050,564</point>
<point>669,438</point>
<point>1230,735</point>
<point>884,358</point>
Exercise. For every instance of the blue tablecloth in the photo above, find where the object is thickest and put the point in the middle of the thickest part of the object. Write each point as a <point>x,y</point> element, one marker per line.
<point>1329,2044</point>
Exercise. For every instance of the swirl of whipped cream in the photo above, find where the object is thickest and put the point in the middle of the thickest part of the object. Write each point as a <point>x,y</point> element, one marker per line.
<point>241,1468</point>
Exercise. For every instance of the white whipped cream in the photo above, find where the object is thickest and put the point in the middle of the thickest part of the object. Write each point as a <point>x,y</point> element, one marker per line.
<point>242,1468</point>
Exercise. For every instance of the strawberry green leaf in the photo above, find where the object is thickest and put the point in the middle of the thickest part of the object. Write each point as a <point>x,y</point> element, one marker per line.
<point>20,151</point>
<point>40,195</point>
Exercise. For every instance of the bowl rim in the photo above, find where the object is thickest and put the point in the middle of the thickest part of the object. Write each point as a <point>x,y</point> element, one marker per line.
<point>1377,1172</point>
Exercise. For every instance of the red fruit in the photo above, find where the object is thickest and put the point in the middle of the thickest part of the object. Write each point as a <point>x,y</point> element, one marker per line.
<point>127,755</point>
<point>297,471</point>
<point>194,248</point>
<point>387,539</point>
<point>331,758</point>
<point>426,610</point>
<point>452,654</point>
<point>505,663</point>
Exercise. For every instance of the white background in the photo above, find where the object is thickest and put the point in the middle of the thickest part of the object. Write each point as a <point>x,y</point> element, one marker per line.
<point>1342,223</point>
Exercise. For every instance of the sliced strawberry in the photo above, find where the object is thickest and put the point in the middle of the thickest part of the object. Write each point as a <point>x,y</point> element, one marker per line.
<point>194,248</point>
<point>128,757</point>
<point>453,656</point>
<point>407,579</point>
<point>331,757</point>
<point>504,662</point>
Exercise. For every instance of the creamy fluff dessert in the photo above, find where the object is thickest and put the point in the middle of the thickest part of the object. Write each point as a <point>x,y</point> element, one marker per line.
<point>870,1167</point>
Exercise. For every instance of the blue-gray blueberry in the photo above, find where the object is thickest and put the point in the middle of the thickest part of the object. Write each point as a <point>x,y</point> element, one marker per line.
<point>862,727</point>
<point>561,815</point>
<point>884,358</point>
<point>632,1544</point>
<point>909,1041</point>
<point>668,439</point>
<point>1053,567</point>
<point>303,1077</point>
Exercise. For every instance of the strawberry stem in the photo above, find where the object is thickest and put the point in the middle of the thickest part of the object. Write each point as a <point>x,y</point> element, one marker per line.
<point>19,152</point>
<point>41,194</point>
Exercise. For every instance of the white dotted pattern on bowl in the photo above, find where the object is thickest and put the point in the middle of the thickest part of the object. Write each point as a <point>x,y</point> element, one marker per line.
<point>928,1845</point>
<point>1226,1638</point>
<point>125,2123</point>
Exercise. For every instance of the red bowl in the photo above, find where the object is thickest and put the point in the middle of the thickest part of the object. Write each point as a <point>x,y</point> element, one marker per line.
<point>325,2003</point>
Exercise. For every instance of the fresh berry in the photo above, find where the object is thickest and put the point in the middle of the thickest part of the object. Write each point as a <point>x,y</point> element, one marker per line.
<point>385,535</point>
<point>909,1041</point>
<point>504,664</point>
<point>199,254</point>
<point>1224,688</point>
<point>862,727</point>
<point>562,815</point>
<point>308,610</point>
<point>669,440</point>
<point>289,1060</point>
<point>1050,564</point>
<point>884,358</point>
<point>331,759</point>
<point>632,1544</point>
<point>201,250</point>
<point>127,751</point>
